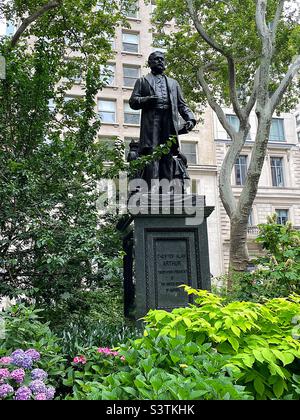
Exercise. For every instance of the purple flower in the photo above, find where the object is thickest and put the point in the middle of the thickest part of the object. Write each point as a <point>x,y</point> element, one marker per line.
<point>50,392</point>
<point>41,397</point>
<point>34,354</point>
<point>38,387</point>
<point>5,390</point>
<point>20,359</point>
<point>18,375</point>
<point>5,360</point>
<point>23,394</point>
<point>39,374</point>
<point>4,373</point>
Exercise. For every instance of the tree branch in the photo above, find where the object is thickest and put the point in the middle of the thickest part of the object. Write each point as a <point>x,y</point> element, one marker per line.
<point>291,73</point>
<point>202,32</point>
<point>232,89</point>
<point>214,105</point>
<point>248,108</point>
<point>260,17</point>
<point>277,19</point>
<point>217,47</point>
<point>32,18</point>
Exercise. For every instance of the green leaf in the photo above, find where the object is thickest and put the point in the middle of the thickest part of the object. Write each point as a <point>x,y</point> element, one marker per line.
<point>234,342</point>
<point>259,386</point>
<point>228,322</point>
<point>257,354</point>
<point>278,387</point>
<point>235,330</point>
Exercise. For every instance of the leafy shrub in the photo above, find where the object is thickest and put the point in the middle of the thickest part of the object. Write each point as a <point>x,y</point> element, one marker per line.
<point>260,339</point>
<point>154,367</point>
<point>276,273</point>
<point>76,339</point>
<point>24,330</point>
<point>279,271</point>
<point>93,366</point>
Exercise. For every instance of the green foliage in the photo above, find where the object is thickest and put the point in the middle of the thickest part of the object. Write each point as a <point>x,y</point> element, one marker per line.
<point>77,337</point>
<point>232,26</point>
<point>260,339</point>
<point>52,239</point>
<point>158,368</point>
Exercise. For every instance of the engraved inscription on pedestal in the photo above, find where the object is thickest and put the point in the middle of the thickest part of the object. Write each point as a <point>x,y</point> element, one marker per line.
<point>171,268</point>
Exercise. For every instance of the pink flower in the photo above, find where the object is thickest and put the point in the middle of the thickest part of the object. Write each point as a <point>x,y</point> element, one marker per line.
<point>41,397</point>
<point>108,351</point>
<point>18,375</point>
<point>4,373</point>
<point>82,360</point>
<point>5,360</point>
<point>79,359</point>
<point>122,358</point>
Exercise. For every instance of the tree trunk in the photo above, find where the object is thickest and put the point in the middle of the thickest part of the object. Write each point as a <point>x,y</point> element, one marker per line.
<point>238,254</point>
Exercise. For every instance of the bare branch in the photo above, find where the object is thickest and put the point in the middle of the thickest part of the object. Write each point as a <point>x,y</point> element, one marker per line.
<point>248,108</point>
<point>291,73</point>
<point>277,19</point>
<point>261,9</point>
<point>32,18</point>
<point>214,105</point>
<point>232,89</point>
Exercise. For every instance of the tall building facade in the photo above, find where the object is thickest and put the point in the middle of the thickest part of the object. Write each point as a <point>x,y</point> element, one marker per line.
<point>206,146</point>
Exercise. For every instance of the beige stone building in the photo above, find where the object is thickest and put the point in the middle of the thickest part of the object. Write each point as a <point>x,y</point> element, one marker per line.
<point>206,145</point>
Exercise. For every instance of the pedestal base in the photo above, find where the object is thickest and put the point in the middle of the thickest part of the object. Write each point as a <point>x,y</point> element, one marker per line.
<point>169,251</point>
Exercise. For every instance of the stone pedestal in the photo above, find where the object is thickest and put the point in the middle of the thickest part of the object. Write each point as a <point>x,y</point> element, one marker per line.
<point>171,249</point>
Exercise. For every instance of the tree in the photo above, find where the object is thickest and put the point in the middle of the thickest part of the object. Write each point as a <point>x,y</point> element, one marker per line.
<point>242,54</point>
<point>52,242</point>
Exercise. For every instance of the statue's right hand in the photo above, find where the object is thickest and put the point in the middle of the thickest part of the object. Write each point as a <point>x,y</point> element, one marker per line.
<point>152,100</point>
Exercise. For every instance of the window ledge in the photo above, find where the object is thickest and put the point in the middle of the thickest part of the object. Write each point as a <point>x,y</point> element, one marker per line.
<point>109,123</point>
<point>133,19</point>
<point>127,88</point>
<point>131,53</point>
<point>131,125</point>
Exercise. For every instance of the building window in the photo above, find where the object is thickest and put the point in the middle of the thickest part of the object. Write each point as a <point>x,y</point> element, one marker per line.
<point>108,142</point>
<point>297,117</point>
<point>277,171</point>
<point>131,10</point>
<point>130,75</point>
<point>282,216</point>
<point>130,42</point>
<point>158,43</point>
<point>131,116</point>
<point>107,110</point>
<point>189,149</point>
<point>298,135</point>
<point>277,130</point>
<point>240,169</point>
<point>107,74</point>
<point>7,28</point>
<point>235,124</point>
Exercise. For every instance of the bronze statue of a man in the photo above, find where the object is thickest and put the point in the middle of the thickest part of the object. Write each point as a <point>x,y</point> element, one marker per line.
<point>161,101</point>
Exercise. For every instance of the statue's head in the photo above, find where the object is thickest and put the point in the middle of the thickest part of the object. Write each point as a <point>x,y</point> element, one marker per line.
<point>156,62</point>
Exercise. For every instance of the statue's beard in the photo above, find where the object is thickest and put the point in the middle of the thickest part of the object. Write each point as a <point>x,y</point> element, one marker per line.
<point>158,69</point>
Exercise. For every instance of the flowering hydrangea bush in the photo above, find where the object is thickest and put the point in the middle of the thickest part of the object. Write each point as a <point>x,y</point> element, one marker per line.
<point>20,380</point>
